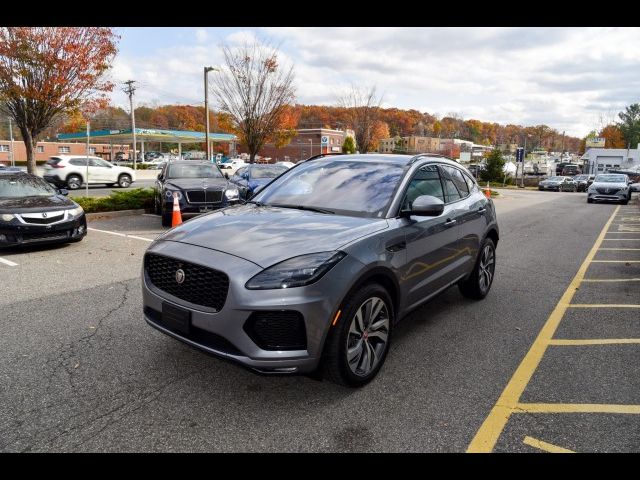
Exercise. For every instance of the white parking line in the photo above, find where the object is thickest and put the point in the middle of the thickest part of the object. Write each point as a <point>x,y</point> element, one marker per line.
<point>8,262</point>
<point>120,234</point>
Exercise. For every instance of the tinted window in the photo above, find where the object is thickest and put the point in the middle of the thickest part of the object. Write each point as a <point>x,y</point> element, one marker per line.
<point>25,186</point>
<point>426,181</point>
<point>470,182</point>
<point>458,180</point>
<point>355,188</point>
<point>80,162</point>
<point>193,171</point>
<point>259,171</point>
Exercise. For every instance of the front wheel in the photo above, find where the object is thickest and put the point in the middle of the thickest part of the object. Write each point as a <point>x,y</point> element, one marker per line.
<point>357,346</point>
<point>479,283</point>
<point>589,200</point>
<point>74,182</point>
<point>124,181</point>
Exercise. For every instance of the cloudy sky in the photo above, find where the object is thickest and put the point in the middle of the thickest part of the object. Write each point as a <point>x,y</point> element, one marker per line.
<point>568,78</point>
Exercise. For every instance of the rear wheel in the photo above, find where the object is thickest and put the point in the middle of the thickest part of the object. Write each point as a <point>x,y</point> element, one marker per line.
<point>74,182</point>
<point>124,180</point>
<point>478,284</point>
<point>357,346</point>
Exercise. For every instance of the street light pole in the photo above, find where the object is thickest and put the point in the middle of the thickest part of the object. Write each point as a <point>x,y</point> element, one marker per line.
<point>524,156</point>
<point>206,108</point>
<point>13,160</point>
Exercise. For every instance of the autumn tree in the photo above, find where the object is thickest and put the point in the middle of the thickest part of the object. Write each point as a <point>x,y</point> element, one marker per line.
<point>46,72</point>
<point>255,90</point>
<point>363,112</point>
<point>613,137</point>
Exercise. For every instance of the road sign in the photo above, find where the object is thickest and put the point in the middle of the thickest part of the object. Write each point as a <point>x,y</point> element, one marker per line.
<point>519,154</point>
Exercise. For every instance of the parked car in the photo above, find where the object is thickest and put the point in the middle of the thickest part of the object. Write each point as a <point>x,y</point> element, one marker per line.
<point>255,176</point>
<point>571,169</point>
<point>583,182</point>
<point>33,211</point>
<point>558,184</point>
<point>610,187</point>
<point>315,271</point>
<point>634,187</point>
<point>199,186</point>
<point>71,171</point>
<point>232,165</point>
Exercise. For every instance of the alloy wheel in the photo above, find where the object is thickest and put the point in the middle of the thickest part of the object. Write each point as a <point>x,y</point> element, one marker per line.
<point>487,267</point>
<point>368,336</point>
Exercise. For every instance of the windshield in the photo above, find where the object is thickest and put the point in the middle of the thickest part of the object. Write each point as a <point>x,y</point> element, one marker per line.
<point>266,171</point>
<point>611,179</point>
<point>582,177</point>
<point>556,179</point>
<point>353,188</point>
<point>193,171</point>
<point>25,186</point>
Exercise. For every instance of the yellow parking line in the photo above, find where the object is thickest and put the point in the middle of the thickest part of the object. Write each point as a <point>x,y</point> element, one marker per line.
<point>594,341</point>
<point>602,305</point>
<point>611,279</point>
<point>492,427</point>
<point>577,408</point>
<point>547,447</point>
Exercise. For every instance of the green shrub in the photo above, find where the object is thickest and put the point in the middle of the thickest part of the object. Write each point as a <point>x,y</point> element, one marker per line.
<point>125,200</point>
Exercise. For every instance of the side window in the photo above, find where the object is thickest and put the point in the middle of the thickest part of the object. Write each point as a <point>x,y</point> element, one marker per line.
<point>458,180</point>
<point>470,182</point>
<point>426,181</point>
<point>79,162</point>
<point>451,193</point>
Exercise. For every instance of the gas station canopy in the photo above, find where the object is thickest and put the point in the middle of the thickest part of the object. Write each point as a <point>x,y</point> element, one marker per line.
<point>149,135</point>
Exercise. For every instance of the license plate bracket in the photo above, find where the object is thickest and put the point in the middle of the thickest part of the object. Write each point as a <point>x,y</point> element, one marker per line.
<point>176,318</point>
<point>206,209</point>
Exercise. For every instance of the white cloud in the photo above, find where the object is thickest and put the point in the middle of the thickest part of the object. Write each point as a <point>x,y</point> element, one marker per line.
<point>562,77</point>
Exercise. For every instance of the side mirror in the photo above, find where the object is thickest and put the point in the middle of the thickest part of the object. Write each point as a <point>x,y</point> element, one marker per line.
<point>64,191</point>
<point>426,206</point>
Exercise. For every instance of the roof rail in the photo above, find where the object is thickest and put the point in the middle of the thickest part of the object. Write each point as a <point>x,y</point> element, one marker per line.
<point>417,157</point>
<point>322,155</point>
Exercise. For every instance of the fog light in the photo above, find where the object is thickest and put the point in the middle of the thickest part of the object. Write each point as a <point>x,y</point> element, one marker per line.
<point>80,229</point>
<point>3,237</point>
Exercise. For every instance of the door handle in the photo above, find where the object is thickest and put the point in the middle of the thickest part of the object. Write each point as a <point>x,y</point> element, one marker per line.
<point>481,210</point>
<point>450,223</point>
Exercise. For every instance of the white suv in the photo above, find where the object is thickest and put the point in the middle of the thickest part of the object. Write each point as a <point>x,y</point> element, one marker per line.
<point>71,170</point>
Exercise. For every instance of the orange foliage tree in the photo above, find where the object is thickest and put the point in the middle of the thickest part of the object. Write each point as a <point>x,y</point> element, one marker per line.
<point>49,71</point>
<point>613,136</point>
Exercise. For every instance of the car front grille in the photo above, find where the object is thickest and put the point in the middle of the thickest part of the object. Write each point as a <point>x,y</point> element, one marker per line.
<point>39,219</point>
<point>204,196</point>
<point>200,286</point>
<point>607,191</point>
<point>277,330</point>
<point>38,237</point>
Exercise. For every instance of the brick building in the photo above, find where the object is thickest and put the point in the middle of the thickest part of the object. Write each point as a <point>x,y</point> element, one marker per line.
<point>306,143</point>
<point>411,144</point>
<point>44,150</point>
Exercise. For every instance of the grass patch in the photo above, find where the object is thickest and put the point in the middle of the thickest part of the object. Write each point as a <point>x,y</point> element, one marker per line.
<point>126,200</point>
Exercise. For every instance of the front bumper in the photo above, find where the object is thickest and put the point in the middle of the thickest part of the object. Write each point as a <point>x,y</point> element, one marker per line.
<point>600,197</point>
<point>549,187</point>
<point>223,333</point>
<point>15,234</point>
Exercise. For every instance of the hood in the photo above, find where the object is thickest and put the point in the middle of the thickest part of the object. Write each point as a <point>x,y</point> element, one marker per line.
<point>35,204</point>
<point>268,235</point>
<point>196,183</point>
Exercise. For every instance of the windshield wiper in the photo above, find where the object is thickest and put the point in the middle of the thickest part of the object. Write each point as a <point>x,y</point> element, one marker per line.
<point>301,207</point>
<point>259,204</point>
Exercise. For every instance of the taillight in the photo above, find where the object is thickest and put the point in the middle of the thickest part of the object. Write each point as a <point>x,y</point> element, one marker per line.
<point>56,165</point>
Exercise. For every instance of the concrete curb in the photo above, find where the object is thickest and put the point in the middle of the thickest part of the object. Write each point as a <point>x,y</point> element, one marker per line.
<point>118,213</point>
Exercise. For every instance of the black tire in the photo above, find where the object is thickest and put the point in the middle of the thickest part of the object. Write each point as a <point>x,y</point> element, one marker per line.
<point>625,202</point>
<point>589,200</point>
<point>166,217</point>
<point>74,182</point>
<point>335,364</point>
<point>124,180</point>
<point>476,287</point>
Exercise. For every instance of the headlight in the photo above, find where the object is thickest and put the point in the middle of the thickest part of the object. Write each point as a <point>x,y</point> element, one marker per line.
<point>296,271</point>
<point>169,193</point>
<point>75,211</point>
<point>7,217</point>
<point>232,194</point>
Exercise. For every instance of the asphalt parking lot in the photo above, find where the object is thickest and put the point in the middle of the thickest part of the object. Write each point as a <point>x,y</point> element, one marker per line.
<point>547,362</point>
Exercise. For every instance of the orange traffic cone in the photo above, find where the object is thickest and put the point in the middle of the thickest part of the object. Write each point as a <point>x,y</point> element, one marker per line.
<point>487,191</point>
<point>176,218</point>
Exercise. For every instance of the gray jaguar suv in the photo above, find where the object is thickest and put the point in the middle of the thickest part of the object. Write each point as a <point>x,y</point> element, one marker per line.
<point>312,274</point>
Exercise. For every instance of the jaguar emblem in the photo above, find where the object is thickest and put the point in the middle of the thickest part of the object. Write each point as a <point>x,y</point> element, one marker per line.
<point>180,276</point>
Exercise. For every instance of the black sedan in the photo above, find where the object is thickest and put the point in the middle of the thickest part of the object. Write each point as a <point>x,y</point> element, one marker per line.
<point>583,182</point>
<point>558,184</point>
<point>33,211</point>
<point>199,186</point>
<point>253,177</point>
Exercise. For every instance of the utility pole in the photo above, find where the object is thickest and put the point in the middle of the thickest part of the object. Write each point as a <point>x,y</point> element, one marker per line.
<point>13,160</point>
<point>129,91</point>
<point>563,142</point>
<point>206,108</point>
<point>86,179</point>
<point>524,157</point>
